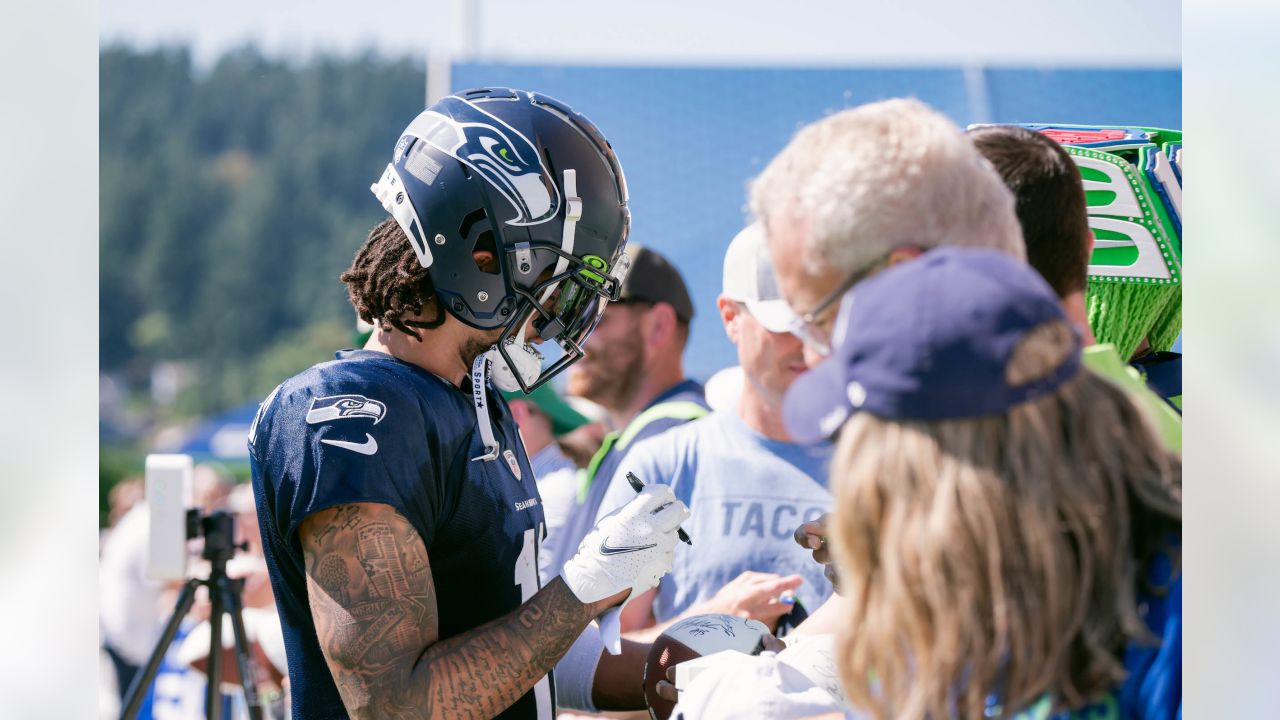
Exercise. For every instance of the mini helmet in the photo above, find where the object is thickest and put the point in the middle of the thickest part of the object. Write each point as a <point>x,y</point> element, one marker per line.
<point>522,175</point>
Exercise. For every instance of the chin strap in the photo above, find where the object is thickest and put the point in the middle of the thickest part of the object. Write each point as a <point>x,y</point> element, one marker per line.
<point>479,398</point>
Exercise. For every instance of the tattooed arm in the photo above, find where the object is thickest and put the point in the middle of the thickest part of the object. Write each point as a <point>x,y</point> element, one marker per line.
<point>374,607</point>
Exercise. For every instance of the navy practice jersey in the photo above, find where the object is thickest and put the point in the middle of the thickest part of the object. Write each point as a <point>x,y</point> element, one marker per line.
<point>368,428</point>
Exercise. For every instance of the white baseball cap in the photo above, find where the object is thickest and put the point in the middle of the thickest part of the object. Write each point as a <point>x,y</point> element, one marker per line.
<point>749,279</point>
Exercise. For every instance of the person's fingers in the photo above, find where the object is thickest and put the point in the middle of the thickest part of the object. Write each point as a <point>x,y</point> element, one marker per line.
<point>766,581</point>
<point>809,534</point>
<point>767,612</point>
<point>770,588</point>
<point>772,644</point>
<point>667,691</point>
<point>823,554</point>
<point>656,495</point>
<point>671,674</point>
<point>788,582</point>
<point>669,517</point>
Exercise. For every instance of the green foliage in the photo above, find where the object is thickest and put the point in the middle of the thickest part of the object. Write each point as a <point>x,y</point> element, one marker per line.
<point>231,199</point>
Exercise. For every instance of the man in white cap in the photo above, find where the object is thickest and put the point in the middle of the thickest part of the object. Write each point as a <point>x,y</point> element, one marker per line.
<point>748,486</point>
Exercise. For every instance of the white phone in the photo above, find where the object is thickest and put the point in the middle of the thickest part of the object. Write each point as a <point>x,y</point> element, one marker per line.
<point>168,497</point>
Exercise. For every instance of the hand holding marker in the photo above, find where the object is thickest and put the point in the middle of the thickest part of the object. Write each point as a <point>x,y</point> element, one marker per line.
<point>638,486</point>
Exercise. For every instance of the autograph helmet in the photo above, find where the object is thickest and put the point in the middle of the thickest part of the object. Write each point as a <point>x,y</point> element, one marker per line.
<point>526,177</point>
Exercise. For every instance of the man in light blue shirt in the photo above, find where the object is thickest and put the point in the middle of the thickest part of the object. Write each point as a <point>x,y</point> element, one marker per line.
<point>746,484</point>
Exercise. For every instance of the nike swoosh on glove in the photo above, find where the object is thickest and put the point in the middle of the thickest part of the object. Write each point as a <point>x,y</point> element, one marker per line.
<point>632,547</point>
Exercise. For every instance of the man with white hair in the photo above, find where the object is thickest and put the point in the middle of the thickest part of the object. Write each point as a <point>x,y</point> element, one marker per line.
<point>864,189</point>
<point>869,187</point>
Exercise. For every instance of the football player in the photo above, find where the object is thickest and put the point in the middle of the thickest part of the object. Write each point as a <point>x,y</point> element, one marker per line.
<point>399,515</point>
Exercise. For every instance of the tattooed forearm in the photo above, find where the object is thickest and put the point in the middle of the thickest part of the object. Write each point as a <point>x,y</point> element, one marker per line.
<point>374,607</point>
<point>480,673</point>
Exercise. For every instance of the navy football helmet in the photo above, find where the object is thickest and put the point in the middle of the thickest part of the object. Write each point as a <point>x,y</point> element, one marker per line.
<point>525,176</point>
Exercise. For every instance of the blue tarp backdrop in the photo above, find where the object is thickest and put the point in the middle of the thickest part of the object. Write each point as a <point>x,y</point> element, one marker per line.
<point>221,437</point>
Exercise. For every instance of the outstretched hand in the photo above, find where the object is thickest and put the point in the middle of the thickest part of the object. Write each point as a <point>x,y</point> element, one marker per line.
<point>758,596</point>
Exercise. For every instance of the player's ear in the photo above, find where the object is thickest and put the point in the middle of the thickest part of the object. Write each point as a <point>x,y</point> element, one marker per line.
<point>661,325</point>
<point>486,260</point>
<point>902,254</point>
<point>729,312</point>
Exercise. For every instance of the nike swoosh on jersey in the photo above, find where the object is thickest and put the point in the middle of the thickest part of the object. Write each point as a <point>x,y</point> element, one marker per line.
<point>368,447</point>
<point>605,549</point>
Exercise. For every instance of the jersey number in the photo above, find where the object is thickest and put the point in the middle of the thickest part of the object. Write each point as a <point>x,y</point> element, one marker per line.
<point>527,580</point>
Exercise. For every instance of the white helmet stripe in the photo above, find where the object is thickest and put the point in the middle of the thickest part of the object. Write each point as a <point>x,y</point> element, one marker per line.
<point>572,213</point>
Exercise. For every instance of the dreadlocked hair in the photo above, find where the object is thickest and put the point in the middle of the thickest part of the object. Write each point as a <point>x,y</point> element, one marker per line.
<point>386,282</point>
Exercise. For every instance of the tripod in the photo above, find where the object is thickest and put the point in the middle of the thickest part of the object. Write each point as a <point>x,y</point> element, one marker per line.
<point>218,529</point>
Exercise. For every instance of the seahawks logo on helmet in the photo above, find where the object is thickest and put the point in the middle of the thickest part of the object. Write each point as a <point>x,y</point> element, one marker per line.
<point>502,156</point>
<point>344,407</point>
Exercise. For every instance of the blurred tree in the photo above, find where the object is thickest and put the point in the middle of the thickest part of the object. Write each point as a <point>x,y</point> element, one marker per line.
<point>230,200</point>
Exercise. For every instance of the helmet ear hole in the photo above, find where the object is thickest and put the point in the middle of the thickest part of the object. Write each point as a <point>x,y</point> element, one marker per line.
<point>473,218</point>
<point>484,250</point>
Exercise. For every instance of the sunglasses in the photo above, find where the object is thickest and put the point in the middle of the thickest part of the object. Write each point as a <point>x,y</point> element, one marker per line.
<point>810,327</point>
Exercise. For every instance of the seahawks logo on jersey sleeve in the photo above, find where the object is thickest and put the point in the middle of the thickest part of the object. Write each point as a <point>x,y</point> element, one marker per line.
<point>345,407</point>
<point>502,156</point>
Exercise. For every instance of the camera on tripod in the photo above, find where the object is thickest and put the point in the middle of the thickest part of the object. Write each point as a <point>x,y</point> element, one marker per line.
<point>174,522</point>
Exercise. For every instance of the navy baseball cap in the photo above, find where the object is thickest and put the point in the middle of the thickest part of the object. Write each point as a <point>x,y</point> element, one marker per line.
<point>929,339</point>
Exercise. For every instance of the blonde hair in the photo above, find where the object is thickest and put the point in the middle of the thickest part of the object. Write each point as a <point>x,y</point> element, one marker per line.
<point>884,175</point>
<point>998,554</point>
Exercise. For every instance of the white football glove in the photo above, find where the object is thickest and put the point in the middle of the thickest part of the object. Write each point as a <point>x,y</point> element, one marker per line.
<point>632,547</point>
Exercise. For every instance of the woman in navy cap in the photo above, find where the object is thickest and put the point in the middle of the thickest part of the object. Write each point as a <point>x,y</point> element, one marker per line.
<point>1007,527</point>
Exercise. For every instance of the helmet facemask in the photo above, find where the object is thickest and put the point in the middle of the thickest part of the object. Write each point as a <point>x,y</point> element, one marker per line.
<point>564,308</point>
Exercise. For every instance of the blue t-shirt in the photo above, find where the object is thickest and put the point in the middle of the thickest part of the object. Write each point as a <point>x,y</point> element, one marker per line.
<point>1152,688</point>
<point>368,428</point>
<point>747,494</point>
<point>582,516</point>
